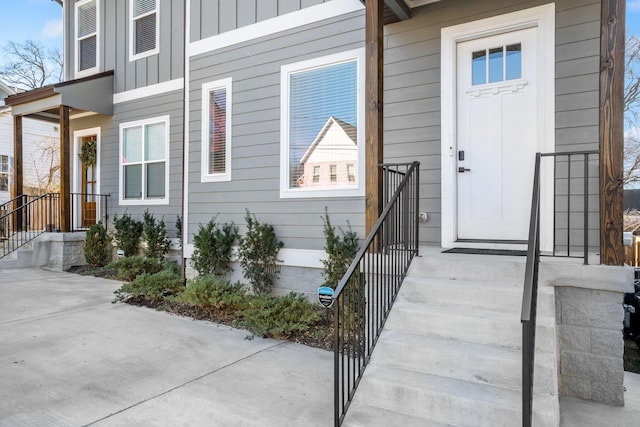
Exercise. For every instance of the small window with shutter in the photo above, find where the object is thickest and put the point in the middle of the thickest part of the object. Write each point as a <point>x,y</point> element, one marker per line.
<point>144,30</point>
<point>216,131</point>
<point>86,37</point>
<point>143,161</point>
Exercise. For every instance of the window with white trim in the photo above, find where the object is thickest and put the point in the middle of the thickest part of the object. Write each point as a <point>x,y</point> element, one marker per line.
<point>144,165</point>
<point>144,28</point>
<point>322,127</point>
<point>216,131</point>
<point>86,37</point>
<point>4,173</point>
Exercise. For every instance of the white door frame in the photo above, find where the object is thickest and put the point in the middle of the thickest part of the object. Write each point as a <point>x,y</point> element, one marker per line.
<point>77,169</point>
<point>543,18</point>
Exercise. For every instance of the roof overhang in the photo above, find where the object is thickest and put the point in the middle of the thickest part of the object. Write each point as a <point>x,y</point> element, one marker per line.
<point>400,10</point>
<point>88,94</point>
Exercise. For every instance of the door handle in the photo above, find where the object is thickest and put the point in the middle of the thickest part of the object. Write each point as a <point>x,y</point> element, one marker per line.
<point>463,170</point>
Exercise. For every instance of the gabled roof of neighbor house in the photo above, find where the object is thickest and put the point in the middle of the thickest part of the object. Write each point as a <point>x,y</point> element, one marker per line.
<point>349,130</point>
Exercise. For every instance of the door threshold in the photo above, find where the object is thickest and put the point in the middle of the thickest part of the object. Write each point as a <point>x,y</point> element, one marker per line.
<point>516,245</point>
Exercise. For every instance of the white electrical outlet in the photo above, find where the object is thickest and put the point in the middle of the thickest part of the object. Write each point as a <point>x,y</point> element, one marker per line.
<point>423,217</point>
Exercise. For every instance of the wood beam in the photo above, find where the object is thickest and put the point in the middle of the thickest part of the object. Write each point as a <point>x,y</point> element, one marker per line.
<point>399,8</point>
<point>65,171</point>
<point>373,111</point>
<point>17,188</point>
<point>612,40</point>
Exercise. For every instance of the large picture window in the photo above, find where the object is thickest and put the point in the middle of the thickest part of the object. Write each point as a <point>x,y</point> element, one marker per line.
<point>144,28</point>
<point>86,37</point>
<point>144,167</point>
<point>4,173</point>
<point>322,127</point>
<point>216,131</point>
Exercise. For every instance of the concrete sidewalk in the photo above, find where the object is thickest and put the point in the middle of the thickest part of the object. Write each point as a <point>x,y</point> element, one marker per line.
<point>68,357</point>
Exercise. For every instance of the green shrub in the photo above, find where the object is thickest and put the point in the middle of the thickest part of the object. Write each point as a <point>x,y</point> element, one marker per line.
<point>340,250</point>
<point>130,268</point>
<point>257,253</point>
<point>155,236</point>
<point>96,246</point>
<point>212,292</point>
<point>212,248</point>
<point>152,287</point>
<point>279,317</point>
<point>127,234</point>
<point>179,228</point>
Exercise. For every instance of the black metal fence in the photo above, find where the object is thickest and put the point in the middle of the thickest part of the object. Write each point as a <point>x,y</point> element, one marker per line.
<point>26,217</point>
<point>364,296</point>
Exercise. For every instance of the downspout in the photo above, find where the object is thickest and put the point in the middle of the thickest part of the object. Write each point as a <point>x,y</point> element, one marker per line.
<point>185,128</point>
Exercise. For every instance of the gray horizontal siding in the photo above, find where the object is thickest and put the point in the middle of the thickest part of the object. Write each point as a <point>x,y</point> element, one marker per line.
<point>255,70</point>
<point>166,104</point>
<point>213,17</point>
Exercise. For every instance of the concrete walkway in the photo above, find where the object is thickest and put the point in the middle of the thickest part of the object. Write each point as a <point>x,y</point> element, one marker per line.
<point>68,357</point>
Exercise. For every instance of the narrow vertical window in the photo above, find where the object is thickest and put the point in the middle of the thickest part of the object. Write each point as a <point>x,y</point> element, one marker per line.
<point>496,65</point>
<point>4,173</point>
<point>333,173</point>
<point>216,131</point>
<point>479,67</point>
<point>86,36</point>
<point>513,66</point>
<point>144,30</point>
<point>351,172</point>
<point>316,174</point>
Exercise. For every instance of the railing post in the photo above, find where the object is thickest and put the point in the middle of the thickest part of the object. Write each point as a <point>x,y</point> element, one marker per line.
<point>417,211</point>
<point>586,209</point>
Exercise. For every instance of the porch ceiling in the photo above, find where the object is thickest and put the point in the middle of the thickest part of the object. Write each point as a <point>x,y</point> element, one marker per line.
<point>93,93</point>
<point>400,10</point>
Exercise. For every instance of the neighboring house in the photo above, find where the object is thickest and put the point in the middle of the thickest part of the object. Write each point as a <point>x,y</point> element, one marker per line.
<point>40,152</point>
<point>218,122</point>
<point>332,158</point>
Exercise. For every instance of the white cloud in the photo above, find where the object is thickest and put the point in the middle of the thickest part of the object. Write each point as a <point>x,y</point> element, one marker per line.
<point>53,29</point>
<point>633,5</point>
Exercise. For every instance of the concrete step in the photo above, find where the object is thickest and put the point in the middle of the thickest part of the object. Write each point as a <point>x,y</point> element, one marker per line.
<point>467,267</point>
<point>466,361</point>
<point>447,400</point>
<point>360,415</point>
<point>469,324</point>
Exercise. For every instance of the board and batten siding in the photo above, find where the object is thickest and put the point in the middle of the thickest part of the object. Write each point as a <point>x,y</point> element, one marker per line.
<point>114,21</point>
<point>213,17</point>
<point>142,109</point>
<point>412,89</point>
<point>254,67</point>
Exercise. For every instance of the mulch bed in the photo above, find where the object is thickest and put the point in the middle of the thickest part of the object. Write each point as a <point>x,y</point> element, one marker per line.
<point>319,335</point>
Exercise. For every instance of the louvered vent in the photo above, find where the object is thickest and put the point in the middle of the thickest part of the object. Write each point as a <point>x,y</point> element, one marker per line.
<point>87,36</point>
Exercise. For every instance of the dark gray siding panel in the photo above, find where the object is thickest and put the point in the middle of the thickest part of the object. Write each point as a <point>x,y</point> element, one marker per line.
<point>213,17</point>
<point>167,104</point>
<point>255,70</point>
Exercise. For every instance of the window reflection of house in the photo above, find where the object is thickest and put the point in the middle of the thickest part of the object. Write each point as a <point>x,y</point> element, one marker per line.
<point>332,157</point>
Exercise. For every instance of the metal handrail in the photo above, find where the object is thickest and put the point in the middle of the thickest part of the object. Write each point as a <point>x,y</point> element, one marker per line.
<point>364,297</point>
<point>530,300</point>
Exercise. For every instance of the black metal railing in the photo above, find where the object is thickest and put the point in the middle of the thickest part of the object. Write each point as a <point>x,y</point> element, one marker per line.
<point>27,221</point>
<point>575,186</point>
<point>27,217</point>
<point>365,295</point>
<point>530,300</point>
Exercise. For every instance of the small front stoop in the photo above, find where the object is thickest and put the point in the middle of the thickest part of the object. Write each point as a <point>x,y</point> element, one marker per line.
<point>450,351</point>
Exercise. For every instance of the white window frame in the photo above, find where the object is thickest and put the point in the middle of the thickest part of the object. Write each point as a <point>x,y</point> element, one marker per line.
<point>89,71</point>
<point>132,55</point>
<point>285,72</point>
<point>143,200</point>
<point>207,88</point>
<point>8,173</point>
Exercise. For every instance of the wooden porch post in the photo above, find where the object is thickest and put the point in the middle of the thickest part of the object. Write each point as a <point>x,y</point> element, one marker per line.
<point>17,187</point>
<point>373,111</point>
<point>612,40</point>
<point>65,171</point>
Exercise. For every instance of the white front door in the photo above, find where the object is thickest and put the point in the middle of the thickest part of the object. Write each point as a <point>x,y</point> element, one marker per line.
<point>498,134</point>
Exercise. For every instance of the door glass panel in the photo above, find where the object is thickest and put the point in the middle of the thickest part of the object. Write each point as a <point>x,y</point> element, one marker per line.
<point>479,67</point>
<point>495,65</point>
<point>513,66</point>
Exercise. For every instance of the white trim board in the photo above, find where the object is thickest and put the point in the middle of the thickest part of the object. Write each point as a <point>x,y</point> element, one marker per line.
<point>542,17</point>
<point>278,24</point>
<point>146,91</point>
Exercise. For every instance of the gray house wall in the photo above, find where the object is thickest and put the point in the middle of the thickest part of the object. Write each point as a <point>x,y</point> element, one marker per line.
<point>114,18</point>
<point>255,166</point>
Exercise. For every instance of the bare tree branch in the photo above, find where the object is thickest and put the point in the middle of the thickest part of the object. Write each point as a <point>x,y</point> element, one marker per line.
<point>30,66</point>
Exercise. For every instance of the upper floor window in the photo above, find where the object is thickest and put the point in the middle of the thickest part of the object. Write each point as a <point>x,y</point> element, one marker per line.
<point>144,164</point>
<point>216,131</point>
<point>322,127</point>
<point>144,28</point>
<point>86,37</point>
<point>4,173</point>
